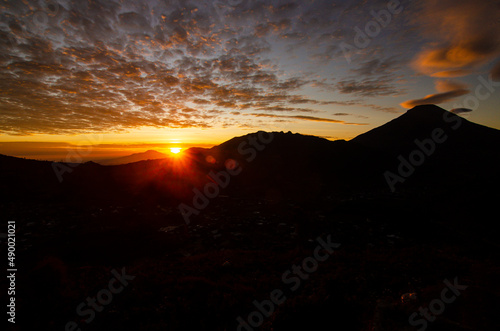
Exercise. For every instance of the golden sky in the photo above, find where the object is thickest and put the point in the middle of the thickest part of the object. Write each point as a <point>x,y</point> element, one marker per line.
<point>135,75</point>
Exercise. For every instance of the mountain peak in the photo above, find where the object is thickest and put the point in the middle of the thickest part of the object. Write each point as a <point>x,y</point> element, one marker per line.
<point>428,107</point>
<point>416,122</point>
<point>425,111</point>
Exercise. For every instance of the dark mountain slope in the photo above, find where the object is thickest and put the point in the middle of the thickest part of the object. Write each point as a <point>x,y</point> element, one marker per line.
<point>418,123</point>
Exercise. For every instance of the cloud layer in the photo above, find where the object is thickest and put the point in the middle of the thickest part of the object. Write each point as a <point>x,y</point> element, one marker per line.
<point>69,66</point>
<point>464,36</point>
<point>448,90</point>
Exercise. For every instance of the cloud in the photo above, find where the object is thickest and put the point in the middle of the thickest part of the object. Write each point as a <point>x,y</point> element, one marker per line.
<point>495,72</point>
<point>306,118</point>
<point>320,119</point>
<point>330,137</point>
<point>460,110</point>
<point>368,87</point>
<point>449,89</point>
<point>382,108</point>
<point>451,73</point>
<point>378,66</point>
<point>435,98</point>
<point>447,85</point>
<point>460,43</point>
<point>111,65</point>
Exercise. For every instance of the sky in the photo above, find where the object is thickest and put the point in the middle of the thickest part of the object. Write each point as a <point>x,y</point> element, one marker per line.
<point>115,77</point>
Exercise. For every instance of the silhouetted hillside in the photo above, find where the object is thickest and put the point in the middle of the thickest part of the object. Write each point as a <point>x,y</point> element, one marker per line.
<point>284,166</point>
<point>77,222</point>
<point>461,153</point>
<point>418,123</point>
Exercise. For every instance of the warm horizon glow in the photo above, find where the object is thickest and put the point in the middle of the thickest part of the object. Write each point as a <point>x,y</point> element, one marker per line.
<point>175,150</point>
<point>161,72</point>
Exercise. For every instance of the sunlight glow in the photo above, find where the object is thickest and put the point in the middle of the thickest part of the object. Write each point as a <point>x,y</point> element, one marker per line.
<point>175,150</point>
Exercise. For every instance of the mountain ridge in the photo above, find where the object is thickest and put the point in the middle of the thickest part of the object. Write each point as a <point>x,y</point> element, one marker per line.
<point>136,157</point>
<point>416,123</point>
<point>289,165</point>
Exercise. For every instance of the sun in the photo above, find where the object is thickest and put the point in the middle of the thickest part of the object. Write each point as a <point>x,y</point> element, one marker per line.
<point>175,150</point>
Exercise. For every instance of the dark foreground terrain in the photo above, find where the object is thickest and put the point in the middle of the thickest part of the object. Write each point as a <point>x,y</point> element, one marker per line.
<point>424,255</point>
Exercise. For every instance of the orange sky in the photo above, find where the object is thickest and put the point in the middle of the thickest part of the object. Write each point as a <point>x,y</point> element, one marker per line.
<point>154,74</point>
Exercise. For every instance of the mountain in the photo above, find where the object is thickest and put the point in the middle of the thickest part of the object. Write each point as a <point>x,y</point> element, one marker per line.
<point>454,152</point>
<point>418,123</point>
<point>288,165</point>
<point>148,155</point>
<point>259,204</point>
<point>284,166</point>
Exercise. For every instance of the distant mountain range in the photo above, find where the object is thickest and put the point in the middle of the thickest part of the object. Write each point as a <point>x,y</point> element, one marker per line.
<point>288,166</point>
<point>148,155</point>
